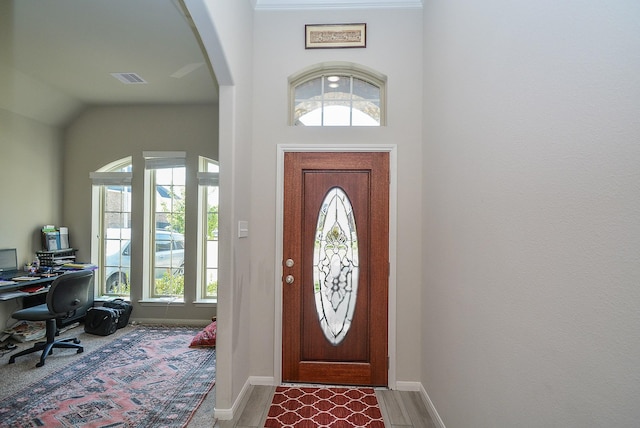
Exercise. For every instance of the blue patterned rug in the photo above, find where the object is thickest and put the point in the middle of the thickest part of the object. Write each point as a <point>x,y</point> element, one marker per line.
<point>146,378</point>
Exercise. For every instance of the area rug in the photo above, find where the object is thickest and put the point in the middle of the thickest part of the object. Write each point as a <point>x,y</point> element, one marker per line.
<point>146,378</point>
<point>311,407</point>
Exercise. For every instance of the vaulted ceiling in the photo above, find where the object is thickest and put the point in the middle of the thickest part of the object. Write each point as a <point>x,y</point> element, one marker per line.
<point>334,4</point>
<point>59,56</point>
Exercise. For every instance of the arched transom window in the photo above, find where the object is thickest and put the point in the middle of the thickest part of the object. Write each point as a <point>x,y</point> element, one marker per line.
<point>337,94</point>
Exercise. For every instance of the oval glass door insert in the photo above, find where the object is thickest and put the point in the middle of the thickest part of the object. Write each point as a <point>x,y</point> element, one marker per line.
<point>335,265</point>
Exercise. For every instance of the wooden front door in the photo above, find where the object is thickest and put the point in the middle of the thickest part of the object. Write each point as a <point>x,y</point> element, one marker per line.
<point>335,268</point>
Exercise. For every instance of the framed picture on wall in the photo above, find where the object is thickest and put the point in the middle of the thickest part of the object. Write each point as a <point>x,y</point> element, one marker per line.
<point>327,36</point>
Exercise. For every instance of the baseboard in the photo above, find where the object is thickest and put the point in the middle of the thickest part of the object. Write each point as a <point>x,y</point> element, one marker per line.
<point>171,322</point>
<point>227,414</point>
<point>262,380</point>
<point>222,414</point>
<point>408,386</point>
<point>417,386</point>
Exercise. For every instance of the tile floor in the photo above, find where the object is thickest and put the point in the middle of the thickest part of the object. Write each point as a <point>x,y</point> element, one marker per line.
<point>404,409</point>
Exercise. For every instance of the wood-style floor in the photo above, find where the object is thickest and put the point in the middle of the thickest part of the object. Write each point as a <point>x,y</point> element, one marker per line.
<point>404,409</point>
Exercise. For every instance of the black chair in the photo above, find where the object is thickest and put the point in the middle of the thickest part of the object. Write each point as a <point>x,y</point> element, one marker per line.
<point>69,293</point>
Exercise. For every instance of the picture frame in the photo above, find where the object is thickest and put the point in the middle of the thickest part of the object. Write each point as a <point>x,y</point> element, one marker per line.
<point>329,36</point>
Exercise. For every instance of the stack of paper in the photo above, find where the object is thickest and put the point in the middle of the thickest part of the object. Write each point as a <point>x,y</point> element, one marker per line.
<point>26,331</point>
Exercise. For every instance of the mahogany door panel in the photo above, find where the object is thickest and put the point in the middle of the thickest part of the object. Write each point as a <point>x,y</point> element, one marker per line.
<point>335,268</point>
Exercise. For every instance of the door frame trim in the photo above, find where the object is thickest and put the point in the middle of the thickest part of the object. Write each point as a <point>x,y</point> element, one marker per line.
<point>393,172</point>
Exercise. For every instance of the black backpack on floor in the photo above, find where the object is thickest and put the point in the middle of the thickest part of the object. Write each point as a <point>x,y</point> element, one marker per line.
<point>101,321</point>
<point>124,307</point>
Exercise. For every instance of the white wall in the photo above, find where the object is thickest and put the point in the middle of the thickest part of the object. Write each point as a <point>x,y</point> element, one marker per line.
<point>30,168</point>
<point>394,48</point>
<point>248,146</point>
<point>532,213</point>
<point>226,32</point>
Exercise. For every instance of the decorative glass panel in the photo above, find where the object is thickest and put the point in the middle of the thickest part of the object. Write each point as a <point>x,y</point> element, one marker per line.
<point>335,265</point>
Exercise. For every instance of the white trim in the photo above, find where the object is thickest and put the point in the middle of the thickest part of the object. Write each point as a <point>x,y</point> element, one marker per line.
<point>393,195</point>
<point>431,408</point>
<point>162,301</point>
<point>205,302</point>
<point>418,387</point>
<point>111,178</point>
<point>158,160</point>
<point>334,4</point>
<point>262,380</point>
<point>168,321</point>
<point>208,178</point>
<point>227,414</point>
<point>163,154</point>
<point>402,385</point>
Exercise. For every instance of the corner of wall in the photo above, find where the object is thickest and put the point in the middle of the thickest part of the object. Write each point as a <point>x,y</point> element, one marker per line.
<point>417,386</point>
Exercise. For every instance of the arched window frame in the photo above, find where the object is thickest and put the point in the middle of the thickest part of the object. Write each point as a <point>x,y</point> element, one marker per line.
<point>338,68</point>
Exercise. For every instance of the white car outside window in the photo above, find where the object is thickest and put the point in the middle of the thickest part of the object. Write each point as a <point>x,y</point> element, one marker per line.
<point>169,257</point>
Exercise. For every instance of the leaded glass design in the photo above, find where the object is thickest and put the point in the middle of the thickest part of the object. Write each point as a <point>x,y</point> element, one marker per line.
<point>335,265</point>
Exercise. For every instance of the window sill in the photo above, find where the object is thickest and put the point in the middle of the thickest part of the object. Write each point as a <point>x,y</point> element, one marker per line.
<point>162,302</point>
<point>206,302</point>
<point>102,299</point>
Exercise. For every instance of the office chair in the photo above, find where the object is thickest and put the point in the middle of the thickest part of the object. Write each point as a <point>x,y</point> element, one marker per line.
<point>68,293</point>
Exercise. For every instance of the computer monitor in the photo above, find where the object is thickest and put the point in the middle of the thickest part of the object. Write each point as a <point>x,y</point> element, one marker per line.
<point>8,259</point>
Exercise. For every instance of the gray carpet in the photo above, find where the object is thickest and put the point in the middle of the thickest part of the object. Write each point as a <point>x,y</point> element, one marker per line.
<point>15,377</point>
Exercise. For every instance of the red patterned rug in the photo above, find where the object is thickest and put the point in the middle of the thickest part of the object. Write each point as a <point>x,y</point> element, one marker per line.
<point>147,378</point>
<point>312,407</point>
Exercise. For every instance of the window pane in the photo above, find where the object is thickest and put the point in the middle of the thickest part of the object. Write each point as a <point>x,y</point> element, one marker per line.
<point>170,199</point>
<point>209,196</point>
<point>308,90</point>
<point>366,113</point>
<point>337,113</point>
<point>309,113</point>
<point>316,101</point>
<point>117,262</point>
<point>365,90</point>
<point>337,84</point>
<point>116,235</point>
<point>169,220</point>
<point>169,264</point>
<point>212,269</point>
<point>211,286</point>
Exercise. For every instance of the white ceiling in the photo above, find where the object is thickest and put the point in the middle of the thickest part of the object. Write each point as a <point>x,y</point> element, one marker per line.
<point>335,4</point>
<point>57,56</point>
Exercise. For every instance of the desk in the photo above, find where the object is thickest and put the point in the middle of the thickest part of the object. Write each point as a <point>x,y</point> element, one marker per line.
<point>13,291</point>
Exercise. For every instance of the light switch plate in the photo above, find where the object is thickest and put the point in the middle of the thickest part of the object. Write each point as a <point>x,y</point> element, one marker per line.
<point>243,229</point>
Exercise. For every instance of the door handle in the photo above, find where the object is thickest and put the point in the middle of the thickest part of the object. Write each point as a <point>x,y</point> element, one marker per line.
<point>289,279</point>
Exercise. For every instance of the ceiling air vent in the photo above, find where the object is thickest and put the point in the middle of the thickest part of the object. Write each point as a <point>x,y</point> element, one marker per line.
<point>129,78</point>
